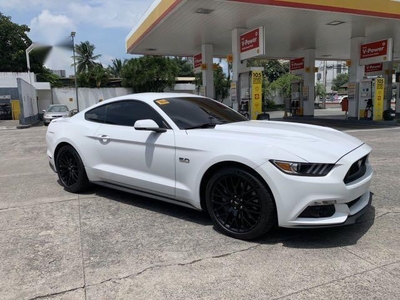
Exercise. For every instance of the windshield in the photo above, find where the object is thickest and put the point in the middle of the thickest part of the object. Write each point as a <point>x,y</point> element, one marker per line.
<point>62,108</point>
<point>191,113</point>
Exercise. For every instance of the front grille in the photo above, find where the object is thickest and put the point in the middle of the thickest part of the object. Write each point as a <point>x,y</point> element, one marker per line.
<point>357,170</point>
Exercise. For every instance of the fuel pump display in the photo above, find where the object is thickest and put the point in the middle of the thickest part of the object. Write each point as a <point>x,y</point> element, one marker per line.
<point>244,108</point>
<point>371,99</point>
<point>296,101</point>
<point>365,98</point>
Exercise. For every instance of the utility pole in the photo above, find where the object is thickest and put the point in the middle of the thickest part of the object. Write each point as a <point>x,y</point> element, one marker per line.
<point>325,74</point>
<point>76,82</point>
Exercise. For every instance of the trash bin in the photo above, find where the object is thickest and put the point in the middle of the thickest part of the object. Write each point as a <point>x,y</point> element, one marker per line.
<point>388,115</point>
<point>263,116</point>
<point>345,104</point>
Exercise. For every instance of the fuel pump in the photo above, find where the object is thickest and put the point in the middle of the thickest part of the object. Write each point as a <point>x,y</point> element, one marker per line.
<point>397,108</point>
<point>244,97</point>
<point>364,98</point>
<point>250,96</point>
<point>371,99</point>
<point>296,98</point>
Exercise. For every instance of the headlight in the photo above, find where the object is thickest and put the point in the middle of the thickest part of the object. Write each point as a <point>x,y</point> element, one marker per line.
<point>302,169</point>
<point>46,116</point>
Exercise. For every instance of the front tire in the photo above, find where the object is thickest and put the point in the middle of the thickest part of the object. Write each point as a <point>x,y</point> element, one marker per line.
<point>240,204</point>
<point>70,170</point>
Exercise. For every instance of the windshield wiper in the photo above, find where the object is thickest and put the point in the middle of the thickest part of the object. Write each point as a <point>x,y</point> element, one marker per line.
<point>205,125</point>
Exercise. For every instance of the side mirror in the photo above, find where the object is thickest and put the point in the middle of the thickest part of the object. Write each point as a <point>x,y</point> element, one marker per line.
<point>73,112</point>
<point>44,111</point>
<point>148,124</point>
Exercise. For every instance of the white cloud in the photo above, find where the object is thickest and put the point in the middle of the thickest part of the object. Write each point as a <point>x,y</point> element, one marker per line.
<point>55,19</point>
<point>108,14</point>
<point>49,29</point>
<point>60,59</point>
<point>106,60</point>
<point>101,13</point>
<point>24,4</point>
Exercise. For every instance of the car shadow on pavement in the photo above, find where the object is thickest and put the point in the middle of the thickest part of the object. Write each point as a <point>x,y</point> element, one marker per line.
<point>154,205</point>
<point>289,237</point>
<point>329,237</point>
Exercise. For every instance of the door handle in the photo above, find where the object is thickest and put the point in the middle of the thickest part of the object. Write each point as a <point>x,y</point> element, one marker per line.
<point>103,138</point>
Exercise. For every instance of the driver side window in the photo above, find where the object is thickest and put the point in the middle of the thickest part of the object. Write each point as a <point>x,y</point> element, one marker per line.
<point>126,113</point>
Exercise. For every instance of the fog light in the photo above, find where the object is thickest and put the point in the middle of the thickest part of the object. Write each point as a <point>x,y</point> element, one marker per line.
<point>320,211</point>
<point>325,202</point>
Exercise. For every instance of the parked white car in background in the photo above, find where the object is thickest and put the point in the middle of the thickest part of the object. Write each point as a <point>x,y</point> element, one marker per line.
<point>55,111</point>
<point>199,153</point>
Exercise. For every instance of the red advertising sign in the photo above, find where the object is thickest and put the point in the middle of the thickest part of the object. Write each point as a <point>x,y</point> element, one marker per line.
<point>252,43</point>
<point>375,49</point>
<point>297,64</point>
<point>372,68</point>
<point>197,60</point>
<point>250,40</point>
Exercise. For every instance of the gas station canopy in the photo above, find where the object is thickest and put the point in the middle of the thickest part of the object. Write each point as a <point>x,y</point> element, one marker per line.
<point>180,27</point>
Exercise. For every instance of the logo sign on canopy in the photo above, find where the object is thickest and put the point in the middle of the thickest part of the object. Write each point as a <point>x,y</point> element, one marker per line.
<point>297,64</point>
<point>376,52</point>
<point>252,43</point>
<point>197,62</point>
<point>373,69</point>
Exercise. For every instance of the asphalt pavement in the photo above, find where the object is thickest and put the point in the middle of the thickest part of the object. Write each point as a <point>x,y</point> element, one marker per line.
<point>106,244</point>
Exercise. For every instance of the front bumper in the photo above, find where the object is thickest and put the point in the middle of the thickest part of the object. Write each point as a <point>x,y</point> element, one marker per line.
<point>48,120</point>
<point>294,194</point>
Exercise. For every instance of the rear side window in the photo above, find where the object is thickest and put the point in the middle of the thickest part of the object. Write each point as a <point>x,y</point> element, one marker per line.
<point>97,114</point>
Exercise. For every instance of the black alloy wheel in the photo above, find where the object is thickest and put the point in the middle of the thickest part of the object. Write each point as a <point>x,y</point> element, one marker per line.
<point>240,204</point>
<point>71,170</point>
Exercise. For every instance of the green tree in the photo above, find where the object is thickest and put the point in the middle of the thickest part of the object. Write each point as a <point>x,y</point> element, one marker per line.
<point>340,79</point>
<point>273,69</point>
<point>149,73</point>
<point>47,76</point>
<point>116,67</point>
<point>85,57</point>
<point>13,43</point>
<point>96,77</point>
<point>283,85</point>
<point>185,67</point>
<point>222,83</point>
<point>320,90</point>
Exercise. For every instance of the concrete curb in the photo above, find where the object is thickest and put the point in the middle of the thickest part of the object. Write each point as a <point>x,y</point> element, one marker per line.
<point>20,126</point>
<point>341,121</point>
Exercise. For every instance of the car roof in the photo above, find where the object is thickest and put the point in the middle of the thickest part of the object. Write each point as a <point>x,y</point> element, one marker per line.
<point>145,97</point>
<point>152,96</point>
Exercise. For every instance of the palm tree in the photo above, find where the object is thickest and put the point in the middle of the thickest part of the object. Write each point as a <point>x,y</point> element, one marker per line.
<point>85,58</point>
<point>116,67</point>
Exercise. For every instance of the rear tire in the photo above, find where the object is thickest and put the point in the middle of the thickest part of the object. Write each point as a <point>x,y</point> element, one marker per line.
<point>71,171</point>
<point>240,205</point>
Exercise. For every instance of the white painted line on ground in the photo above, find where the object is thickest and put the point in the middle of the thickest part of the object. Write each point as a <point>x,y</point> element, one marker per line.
<point>372,129</point>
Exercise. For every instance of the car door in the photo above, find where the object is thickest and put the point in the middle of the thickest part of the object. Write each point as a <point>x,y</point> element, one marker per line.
<point>138,159</point>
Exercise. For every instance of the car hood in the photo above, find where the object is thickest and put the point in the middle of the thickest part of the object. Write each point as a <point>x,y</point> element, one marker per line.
<point>309,142</point>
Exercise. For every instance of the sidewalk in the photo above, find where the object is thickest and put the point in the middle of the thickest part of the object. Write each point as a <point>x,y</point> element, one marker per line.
<point>14,124</point>
<point>8,124</point>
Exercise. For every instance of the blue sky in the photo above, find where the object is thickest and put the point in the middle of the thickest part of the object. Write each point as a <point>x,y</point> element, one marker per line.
<point>104,23</point>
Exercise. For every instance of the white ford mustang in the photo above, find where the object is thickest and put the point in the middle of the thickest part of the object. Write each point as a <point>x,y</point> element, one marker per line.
<point>199,153</point>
